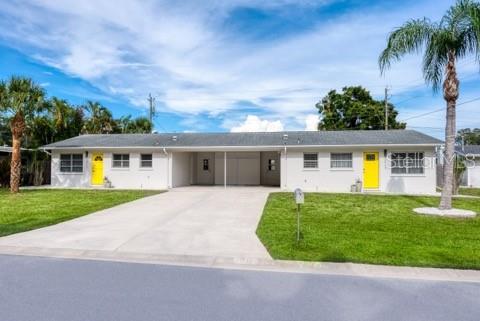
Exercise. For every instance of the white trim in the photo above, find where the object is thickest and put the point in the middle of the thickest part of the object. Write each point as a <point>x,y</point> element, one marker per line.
<point>240,148</point>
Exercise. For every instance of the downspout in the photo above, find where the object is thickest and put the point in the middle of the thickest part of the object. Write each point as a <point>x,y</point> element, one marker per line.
<point>168,167</point>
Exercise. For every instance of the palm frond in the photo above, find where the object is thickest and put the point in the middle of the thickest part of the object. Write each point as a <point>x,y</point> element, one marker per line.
<point>436,57</point>
<point>409,38</point>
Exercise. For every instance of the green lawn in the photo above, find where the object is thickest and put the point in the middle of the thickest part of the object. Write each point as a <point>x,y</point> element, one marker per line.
<point>373,229</point>
<point>31,209</point>
<point>470,191</point>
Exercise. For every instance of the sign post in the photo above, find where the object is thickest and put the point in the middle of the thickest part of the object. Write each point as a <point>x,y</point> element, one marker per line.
<point>299,199</point>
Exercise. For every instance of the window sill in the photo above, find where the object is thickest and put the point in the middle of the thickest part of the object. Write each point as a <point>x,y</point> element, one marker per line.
<point>341,169</point>
<point>120,169</point>
<point>407,175</point>
<point>145,169</point>
<point>310,169</point>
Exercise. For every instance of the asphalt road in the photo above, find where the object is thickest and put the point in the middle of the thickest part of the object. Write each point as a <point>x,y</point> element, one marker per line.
<point>37,289</point>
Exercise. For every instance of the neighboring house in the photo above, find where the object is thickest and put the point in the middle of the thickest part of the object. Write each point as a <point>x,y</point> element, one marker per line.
<point>5,152</point>
<point>328,161</point>
<point>471,176</point>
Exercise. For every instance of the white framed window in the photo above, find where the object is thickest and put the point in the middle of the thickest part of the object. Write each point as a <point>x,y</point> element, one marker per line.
<point>121,161</point>
<point>146,161</point>
<point>71,163</point>
<point>407,163</point>
<point>341,160</point>
<point>310,160</point>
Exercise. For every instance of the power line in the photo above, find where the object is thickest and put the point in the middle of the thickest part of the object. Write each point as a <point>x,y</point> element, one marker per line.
<point>408,99</point>
<point>440,109</point>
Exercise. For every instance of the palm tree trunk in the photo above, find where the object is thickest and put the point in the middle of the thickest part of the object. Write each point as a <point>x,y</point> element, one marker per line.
<point>450,94</point>
<point>17,127</point>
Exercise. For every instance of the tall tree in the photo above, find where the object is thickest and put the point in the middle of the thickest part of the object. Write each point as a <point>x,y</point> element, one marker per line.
<point>99,121</point>
<point>139,125</point>
<point>469,136</point>
<point>443,43</point>
<point>354,108</point>
<point>60,110</point>
<point>123,123</point>
<point>20,99</point>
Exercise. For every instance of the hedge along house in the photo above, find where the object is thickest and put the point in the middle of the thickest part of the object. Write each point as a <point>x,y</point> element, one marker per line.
<point>397,161</point>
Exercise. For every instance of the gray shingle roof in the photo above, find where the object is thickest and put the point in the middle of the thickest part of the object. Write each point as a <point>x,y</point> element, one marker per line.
<point>300,138</point>
<point>468,149</point>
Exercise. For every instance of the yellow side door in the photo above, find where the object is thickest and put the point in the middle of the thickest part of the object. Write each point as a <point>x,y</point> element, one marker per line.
<point>97,168</point>
<point>371,170</point>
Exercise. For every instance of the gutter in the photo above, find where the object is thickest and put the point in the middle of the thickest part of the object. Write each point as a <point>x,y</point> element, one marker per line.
<point>259,147</point>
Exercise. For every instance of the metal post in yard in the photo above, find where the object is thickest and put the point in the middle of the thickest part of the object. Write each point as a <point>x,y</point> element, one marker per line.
<point>299,199</point>
<point>298,223</point>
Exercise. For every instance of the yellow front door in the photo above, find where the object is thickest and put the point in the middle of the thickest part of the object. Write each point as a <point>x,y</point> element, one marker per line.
<point>371,170</point>
<point>97,169</point>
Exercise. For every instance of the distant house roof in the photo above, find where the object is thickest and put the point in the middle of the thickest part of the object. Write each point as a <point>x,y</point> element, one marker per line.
<point>272,139</point>
<point>8,149</point>
<point>468,149</point>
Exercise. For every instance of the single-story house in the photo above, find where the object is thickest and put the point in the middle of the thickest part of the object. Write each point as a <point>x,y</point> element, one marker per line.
<point>398,161</point>
<point>471,176</point>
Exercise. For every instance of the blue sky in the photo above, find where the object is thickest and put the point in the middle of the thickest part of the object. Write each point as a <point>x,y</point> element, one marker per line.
<point>237,65</point>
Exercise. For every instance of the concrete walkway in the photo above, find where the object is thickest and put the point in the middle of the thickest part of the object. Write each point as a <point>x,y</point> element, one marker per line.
<point>196,221</point>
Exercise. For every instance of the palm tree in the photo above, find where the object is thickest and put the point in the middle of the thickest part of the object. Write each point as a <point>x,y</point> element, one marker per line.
<point>20,99</point>
<point>124,123</point>
<point>443,43</point>
<point>100,119</point>
<point>60,109</point>
<point>142,125</point>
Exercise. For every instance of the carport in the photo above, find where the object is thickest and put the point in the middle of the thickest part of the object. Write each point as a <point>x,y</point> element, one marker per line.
<point>227,168</point>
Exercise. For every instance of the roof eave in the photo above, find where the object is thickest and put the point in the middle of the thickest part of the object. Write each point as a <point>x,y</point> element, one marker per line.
<point>253,147</point>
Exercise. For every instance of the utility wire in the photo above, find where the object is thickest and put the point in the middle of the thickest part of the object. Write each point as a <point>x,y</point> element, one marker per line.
<point>440,109</point>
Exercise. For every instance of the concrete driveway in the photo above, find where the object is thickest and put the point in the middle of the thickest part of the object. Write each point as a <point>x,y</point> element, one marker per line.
<point>201,221</point>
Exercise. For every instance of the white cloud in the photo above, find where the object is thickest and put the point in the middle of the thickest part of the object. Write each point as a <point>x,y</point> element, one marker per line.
<point>311,122</point>
<point>254,124</point>
<point>185,54</point>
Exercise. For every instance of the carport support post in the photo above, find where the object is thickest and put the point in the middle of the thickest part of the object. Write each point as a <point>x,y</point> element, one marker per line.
<point>225,169</point>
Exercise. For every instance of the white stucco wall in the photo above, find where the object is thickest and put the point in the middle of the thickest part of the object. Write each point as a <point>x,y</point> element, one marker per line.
<point>133,177</point>
<point>326,179</point>
<point>60,179</point>
<point>178,169</point>
<point>473,174</point>
<point>181,169</point>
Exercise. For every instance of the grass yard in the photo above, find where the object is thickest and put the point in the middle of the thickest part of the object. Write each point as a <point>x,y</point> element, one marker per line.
<point>31,209</point>
<point>373,229</point>
<point>470,191</point>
